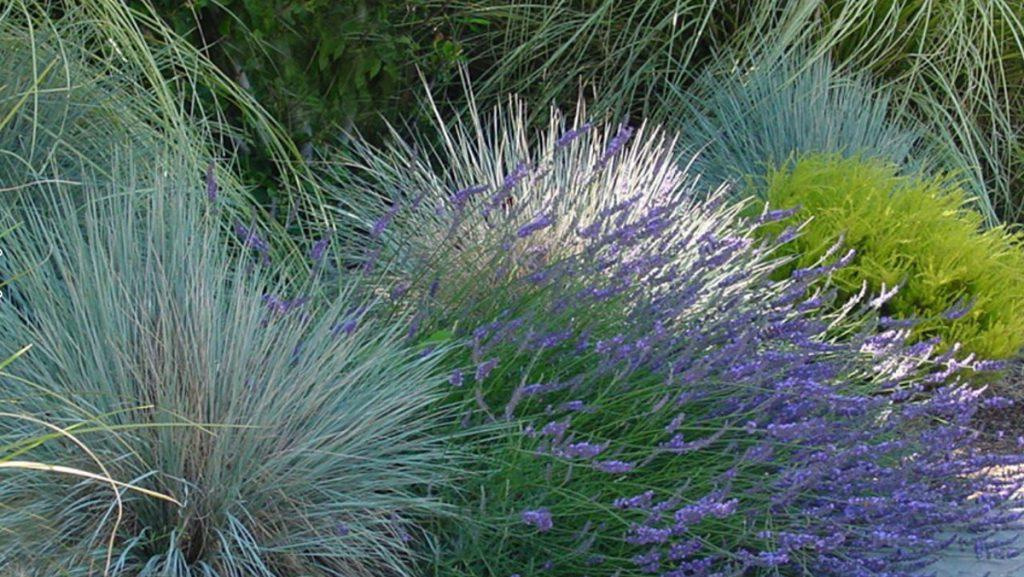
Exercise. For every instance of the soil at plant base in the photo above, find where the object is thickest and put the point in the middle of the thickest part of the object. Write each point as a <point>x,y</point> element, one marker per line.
<point>1003,428</point>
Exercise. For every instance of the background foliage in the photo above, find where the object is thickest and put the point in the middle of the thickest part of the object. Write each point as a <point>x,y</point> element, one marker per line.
<point>321,68</point>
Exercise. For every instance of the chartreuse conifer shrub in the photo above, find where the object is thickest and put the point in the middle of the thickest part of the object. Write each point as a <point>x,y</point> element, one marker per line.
<point>293,431</point>
<point>652,401</point>
<point>916,234</point>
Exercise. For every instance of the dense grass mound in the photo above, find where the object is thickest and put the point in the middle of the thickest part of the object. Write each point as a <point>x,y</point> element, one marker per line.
<point>962,283</point>
<point>743,123</point>
<point>666,407</point>
<point>294,436</point>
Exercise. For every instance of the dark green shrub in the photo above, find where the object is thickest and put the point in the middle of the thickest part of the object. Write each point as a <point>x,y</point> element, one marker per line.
<point>319,67</point>
<point>914,232</point>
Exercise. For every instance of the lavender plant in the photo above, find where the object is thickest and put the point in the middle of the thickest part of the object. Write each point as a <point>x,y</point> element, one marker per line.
<point>295,441</point>
<point>669,409</point>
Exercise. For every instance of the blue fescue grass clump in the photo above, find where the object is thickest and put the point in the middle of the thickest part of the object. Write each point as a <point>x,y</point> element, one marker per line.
<point>296,443</point>
<point>744,121</point>
<point>668,408</point>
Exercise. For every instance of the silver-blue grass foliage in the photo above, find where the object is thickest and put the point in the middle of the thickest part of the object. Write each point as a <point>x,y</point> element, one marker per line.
<point>744,121</point>
<point>671,410</point>
<point>478,183</point>
<point>70,102</point>
<point>295,438</point>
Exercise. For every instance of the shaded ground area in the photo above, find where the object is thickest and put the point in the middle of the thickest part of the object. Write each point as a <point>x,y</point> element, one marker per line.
<point>1003,428</point>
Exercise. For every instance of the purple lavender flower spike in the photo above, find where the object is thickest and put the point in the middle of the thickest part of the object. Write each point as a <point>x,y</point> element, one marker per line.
<point>883,297</point>
<point>777,215</point>
<point>581,450</point>
<point>211,182</point>
<point>539,518</point>
<point>316,253</point>
<point>555,429</point>
<point>541,222</point>
<point>514,177</point>
<point>281,306</point>
<point>347,327</point>
<point>959,310</point>
<point>615,145</point>
<point>462,196</point>
<point>614,467</point>
<point>400,290</point>
<point>572,135</point>
<point>382,223</point>
<point>484,369</point>
<point>641,501</point>
<point>251,239</point>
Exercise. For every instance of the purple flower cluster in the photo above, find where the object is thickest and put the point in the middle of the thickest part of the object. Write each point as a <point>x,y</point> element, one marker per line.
<point>211,182</point>
<point>541,222</point>
<point>539,518</point>
<point>251,238</point>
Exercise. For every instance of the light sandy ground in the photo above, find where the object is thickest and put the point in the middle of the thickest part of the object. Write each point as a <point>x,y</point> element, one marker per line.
<point>966,564</point>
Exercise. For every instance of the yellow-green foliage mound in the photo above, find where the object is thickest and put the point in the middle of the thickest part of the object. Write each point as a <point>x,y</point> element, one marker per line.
<point>913,231</point>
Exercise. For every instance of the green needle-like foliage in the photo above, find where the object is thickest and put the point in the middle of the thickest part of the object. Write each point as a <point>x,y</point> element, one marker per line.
<point>296,442</point>
<point>965,284</point>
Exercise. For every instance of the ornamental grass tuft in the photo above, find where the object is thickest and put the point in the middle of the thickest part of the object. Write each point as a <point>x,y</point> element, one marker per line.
<point>294,443</point>
<point>742,123</point>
